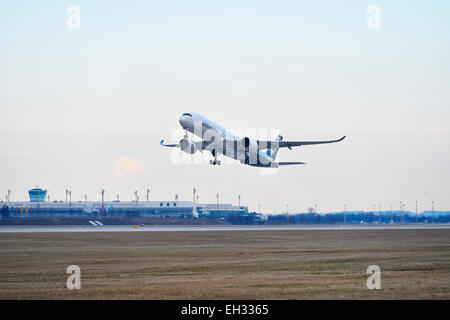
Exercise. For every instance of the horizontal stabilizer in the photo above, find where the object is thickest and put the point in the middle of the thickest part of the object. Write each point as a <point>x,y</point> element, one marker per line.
<point>289,163</point>
<point>168,145</point>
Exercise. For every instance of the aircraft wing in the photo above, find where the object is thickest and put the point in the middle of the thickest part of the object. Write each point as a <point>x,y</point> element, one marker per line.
<point>289,144</point>
<point>201,145</point>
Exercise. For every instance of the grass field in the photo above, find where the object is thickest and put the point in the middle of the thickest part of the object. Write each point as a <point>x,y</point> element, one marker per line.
<point>293,264</point>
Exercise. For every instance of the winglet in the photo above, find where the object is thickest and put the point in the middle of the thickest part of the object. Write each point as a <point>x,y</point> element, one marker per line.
<point>341,138</point>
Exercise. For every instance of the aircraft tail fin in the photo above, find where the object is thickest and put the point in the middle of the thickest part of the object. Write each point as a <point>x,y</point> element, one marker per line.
<point>274,150</point>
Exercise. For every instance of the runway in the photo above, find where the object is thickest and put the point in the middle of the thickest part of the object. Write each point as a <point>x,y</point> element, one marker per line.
<point>131,228</point>
<point>225,262</point>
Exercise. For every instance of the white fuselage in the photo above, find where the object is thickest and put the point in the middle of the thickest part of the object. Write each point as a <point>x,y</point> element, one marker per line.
<point>219,140</point>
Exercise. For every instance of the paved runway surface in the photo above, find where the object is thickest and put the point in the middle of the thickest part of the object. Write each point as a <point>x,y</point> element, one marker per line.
<point>130,228</point>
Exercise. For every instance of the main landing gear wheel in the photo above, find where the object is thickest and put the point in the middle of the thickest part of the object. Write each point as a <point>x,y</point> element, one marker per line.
<point>214,162</point>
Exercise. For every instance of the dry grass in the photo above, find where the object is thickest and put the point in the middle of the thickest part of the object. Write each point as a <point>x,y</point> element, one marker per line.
<point>297,264</point>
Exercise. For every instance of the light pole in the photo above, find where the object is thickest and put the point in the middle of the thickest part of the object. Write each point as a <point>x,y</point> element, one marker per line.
<point>392,215</point>
<point>379,213</point>
<point>217,196</point>
<point>416,210</point>
<point>148,195</point>
<point>373,213</point>
<point>194,191</point>
<point>103,200</point>
<point>432,211</point>
<point>345,213</point>
<point>239,200</point>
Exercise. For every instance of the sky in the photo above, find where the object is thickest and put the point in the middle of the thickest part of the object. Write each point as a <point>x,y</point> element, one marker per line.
<point>85,108</point>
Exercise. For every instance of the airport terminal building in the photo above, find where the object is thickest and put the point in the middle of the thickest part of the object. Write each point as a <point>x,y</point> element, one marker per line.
<point>38,207</point>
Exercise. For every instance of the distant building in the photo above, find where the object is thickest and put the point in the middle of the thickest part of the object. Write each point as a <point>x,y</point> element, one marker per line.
<point>37,208</point>
<point>37,195</point>
<point>223,210</point>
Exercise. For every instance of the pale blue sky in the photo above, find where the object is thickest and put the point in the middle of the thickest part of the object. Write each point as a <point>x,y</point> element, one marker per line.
<point>75,102</point>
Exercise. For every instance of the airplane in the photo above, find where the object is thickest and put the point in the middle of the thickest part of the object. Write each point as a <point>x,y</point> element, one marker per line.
<point>218,140</point>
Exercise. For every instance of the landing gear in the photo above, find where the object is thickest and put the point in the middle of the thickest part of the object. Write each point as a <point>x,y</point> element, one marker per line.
<point>215,161</point>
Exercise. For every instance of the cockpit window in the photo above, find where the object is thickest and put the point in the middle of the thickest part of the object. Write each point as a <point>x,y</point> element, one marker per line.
<point>187,114</point>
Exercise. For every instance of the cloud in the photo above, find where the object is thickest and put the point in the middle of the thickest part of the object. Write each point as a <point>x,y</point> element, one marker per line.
<point>21,152</point>
<point>127,166</point>
<point>436,132</point>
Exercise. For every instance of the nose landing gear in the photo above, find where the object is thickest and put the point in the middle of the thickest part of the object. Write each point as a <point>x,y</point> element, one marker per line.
<point>215,161</point>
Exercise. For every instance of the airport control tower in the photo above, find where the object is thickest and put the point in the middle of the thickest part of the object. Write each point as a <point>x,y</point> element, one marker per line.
<point>37,195</point>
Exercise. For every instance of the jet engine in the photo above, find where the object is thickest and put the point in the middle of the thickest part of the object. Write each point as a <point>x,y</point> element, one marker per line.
<point>188,146</point>
<point>250,155</point>
<point>249,144</point>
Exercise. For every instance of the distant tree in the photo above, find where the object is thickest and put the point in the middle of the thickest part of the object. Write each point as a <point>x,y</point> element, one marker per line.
<point>4,212</point>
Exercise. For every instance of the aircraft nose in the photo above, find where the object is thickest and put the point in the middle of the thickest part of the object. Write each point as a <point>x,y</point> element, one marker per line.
<point>183,122</point>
